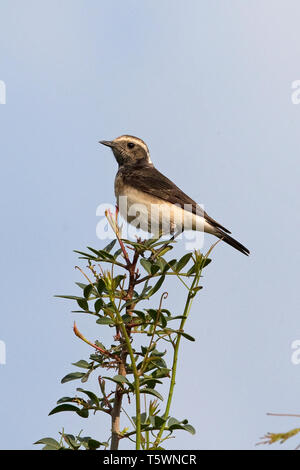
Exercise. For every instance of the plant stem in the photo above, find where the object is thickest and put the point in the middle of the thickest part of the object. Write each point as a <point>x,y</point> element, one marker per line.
<point>115,414</point>
<point>136,381</point>
<point>186,311</point>
<point>126,349</point>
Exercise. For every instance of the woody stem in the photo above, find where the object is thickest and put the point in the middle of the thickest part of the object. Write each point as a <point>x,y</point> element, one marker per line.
<point>126,349</point>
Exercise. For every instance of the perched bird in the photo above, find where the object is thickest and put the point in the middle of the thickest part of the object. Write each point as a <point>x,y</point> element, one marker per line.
<point>146,188</point>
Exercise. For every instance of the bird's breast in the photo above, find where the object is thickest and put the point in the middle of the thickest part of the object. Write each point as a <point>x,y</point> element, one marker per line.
<point>150,213</point>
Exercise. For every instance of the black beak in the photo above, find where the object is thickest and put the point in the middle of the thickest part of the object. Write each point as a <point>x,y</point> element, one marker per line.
<point>108,143</point>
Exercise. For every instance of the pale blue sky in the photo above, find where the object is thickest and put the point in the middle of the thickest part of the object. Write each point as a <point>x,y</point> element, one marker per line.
<point>207,84</point>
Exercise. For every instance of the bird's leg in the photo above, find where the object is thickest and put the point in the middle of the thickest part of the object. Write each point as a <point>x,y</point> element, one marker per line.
<point>161,249</point>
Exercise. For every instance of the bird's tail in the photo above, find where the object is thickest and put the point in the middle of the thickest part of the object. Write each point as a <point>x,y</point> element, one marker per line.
<point>232,242</point>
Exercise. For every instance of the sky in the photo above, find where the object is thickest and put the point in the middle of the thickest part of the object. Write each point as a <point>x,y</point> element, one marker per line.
<point>208,86</point>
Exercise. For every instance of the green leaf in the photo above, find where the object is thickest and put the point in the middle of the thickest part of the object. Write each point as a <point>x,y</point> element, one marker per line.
<point>99,344</point>
<point>182,262</point>
<point>140,314</point>
<point>175,318</point>
<point>176,426</point>
<point>117,253</point>
<point>83,413</point>
<point>179,332</point>
<point>101,286</point>
<point>189,428</point>
<point>189,337</point>
<point>81,285</point>
<point>85,311</point>
<point>83,304</point>
<point>71,441</point>
<point>105,255</point>
<point>160,373</point>
<point>155,361</point>
<point>155,268</point>
<point>120,380</point>
<point>87,291</point>
<point>159,421</point>
<point>157,286</point>
<point>93,444</point>
<point>206,262</point>
<point>145,289</point>
<point>86,255</point>
<point>140,246</point>
<point>94,399</point>
<point>169,265</point>
<point>157,317</point>
<point>161,262</point>
<point>151,391</point>
<point>150,381</point>
<point>86,376</point>
<point>51,444</point>
<point>153,313</point>
<point>165,310</point>
<point>162,320</point>
<point>105,321</point>
<point>82,363</point>
<point>110,246</point>
<point>72,376</point>
<point>71,297</point>
<point>165,250</point>
<point>65,399</point>
<point>101,254</point>
<point>192,270</point>
<point>146,265</point>
<point>98,305</point>
<point>117,280</point>
<point>151,242</point>
<point>172,422</point>
<point>155,352</point>
<point>96,252</point>
<point>126,318</point>
<point>64,407</point>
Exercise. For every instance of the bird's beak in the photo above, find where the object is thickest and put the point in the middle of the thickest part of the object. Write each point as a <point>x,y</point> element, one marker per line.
<point>108,143</point>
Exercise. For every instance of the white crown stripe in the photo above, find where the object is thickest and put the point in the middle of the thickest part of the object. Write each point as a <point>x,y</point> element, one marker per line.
<point>135,140</point>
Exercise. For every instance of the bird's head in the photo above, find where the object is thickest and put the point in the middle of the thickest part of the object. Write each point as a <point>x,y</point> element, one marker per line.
<point>129,150</point>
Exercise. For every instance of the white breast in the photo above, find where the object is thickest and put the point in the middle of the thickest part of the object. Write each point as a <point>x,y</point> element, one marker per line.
<point>154,216</point>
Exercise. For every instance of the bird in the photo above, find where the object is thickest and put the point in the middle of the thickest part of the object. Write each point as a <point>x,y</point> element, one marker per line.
<point>145,188</point>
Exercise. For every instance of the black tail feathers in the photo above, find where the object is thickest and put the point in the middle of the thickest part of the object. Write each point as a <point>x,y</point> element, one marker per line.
<point>232,242</point>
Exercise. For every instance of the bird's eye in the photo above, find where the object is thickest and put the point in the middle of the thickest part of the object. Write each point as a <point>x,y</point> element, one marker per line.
<point>130,145</point>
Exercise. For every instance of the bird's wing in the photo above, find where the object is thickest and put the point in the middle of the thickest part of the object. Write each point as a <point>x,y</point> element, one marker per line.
<point>150,180</point>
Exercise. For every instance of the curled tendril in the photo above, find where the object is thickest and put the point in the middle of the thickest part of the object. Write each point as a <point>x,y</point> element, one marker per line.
<point>163,296</point>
